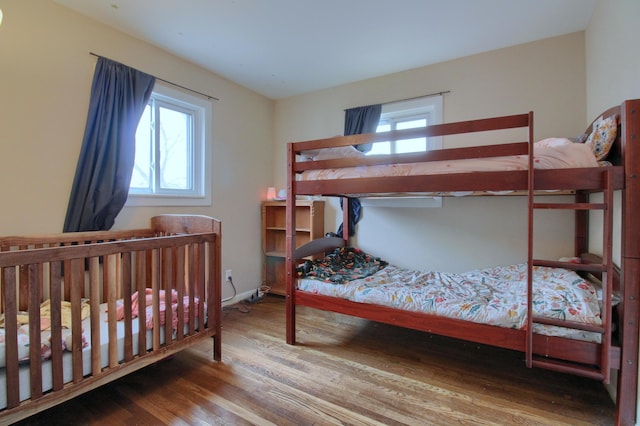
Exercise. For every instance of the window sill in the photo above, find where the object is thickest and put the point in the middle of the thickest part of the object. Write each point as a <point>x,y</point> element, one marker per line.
<point>159,200</point>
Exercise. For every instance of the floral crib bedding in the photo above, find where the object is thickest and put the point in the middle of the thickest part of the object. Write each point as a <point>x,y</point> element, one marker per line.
<point>136,329</point>
<point>23,336</point>
<point>495,296</point>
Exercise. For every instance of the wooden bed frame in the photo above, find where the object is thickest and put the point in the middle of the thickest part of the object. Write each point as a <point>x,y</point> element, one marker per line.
<point>619,349</point>
<point>178,253</point>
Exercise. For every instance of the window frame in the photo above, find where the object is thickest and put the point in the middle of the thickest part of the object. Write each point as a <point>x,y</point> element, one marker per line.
<point>432,106</point>
<point>201,166</point>
<point>429,107</point>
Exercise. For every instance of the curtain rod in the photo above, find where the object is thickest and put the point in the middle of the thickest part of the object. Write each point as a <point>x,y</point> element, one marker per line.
<point>166,81</point>
<point>413,97</point>
<point>417,97</point>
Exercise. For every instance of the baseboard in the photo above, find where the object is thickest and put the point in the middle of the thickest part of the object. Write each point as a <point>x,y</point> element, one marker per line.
<point>241,297</point>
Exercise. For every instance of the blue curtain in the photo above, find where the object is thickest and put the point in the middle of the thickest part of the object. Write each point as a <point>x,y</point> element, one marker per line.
<point>358,121</point>
<point>362,120</point>
<point>119,95</point>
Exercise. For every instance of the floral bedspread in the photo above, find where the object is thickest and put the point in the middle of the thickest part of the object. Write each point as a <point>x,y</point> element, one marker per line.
<point>495,296</point>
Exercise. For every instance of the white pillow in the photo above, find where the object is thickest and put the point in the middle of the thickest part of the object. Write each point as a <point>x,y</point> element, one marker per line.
<point>553,142</point>
<point>338,152</point>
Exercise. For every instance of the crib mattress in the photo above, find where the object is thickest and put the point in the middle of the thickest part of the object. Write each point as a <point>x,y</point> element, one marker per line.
<point>494,296</point>
<point>67,356</point>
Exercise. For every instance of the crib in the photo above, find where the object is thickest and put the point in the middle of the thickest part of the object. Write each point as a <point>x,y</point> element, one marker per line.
<point>79,310</point>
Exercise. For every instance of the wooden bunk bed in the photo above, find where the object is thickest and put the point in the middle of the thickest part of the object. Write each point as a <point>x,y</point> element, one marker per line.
<point>617,348</point>
<point>82,309</point>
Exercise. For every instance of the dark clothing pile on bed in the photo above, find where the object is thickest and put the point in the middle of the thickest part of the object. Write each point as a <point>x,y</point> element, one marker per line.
<point>341,265</point>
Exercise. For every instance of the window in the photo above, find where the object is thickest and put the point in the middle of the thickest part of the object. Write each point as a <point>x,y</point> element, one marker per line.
<point>172,164</point>
<point>409,114</point>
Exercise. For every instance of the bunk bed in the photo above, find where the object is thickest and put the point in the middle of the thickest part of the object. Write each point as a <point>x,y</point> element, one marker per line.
<point>81,309</point>
<point>329,167</point>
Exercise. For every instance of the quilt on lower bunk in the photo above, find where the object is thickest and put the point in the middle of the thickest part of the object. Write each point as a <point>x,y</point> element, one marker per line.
<point>495,296</point>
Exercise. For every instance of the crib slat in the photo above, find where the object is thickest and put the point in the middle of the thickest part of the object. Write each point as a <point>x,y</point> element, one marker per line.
<point>178,280</point>
<point>32,275</point>
<point>182,280</point>
<point>94,293</point>
<point>55,290</point>
<point>200,291</point>
<point>111,282</point>
<point>191,283</point>
<point>126,295</point>
<point>23,292</point>
<point>155,290</point>
<point>11,331</point>
<point>77,281</point>
<point>142,260</point>
<point>167,276</point>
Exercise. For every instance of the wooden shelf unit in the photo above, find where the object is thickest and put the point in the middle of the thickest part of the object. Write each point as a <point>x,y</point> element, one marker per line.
<point>309,226</point>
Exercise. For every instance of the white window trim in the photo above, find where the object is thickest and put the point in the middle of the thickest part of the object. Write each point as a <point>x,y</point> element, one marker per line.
<point>428,104</point>
<point>202,145</point>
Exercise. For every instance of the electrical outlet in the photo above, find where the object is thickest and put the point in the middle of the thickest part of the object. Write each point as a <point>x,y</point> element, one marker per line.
<point>227,275</point>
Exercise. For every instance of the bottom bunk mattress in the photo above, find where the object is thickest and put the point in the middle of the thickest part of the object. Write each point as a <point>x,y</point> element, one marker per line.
<point>494,296</point>
<point>24,373</point>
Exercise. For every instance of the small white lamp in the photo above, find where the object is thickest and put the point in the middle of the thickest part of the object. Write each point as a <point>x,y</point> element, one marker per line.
<point>0,16</point>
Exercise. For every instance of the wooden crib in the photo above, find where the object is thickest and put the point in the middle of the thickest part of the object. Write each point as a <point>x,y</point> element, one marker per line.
<point>73,316</point>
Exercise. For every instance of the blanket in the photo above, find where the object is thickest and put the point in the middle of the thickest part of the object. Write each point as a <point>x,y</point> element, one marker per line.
<point>148,299</point>
<point>341,265</point>
<point>45,314</point>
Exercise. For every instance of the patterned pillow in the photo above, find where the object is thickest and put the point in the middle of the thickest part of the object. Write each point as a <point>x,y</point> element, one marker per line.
<point>601,138</point>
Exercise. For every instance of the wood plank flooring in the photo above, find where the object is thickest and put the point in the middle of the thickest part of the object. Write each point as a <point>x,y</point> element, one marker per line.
<point>343,371</point>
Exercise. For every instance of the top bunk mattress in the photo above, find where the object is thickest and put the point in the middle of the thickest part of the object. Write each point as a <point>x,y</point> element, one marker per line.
<point>552,153</point>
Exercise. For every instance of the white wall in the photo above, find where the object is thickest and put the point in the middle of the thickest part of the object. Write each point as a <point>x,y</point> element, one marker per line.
<point>547,77</point>
<point>45,78</point>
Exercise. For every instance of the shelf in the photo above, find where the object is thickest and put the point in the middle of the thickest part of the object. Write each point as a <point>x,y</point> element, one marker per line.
<point>309,215</point>
<point>276,228</point>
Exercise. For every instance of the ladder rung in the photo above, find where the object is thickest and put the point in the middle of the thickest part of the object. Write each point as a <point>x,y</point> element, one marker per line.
<point>569,324</point>
<point>586,267</point>
<point>564,367</point>
<point>570,206</point>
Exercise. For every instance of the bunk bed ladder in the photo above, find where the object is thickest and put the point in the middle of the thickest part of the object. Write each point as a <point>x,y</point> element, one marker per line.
<point>604,269</point>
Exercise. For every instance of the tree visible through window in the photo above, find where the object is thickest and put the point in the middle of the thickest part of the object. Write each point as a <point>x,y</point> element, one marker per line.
<point>170,165</point>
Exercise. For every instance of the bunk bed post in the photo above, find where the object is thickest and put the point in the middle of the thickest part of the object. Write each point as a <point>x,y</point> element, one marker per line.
<point>346,225</point>
<point>627,392</point>
<point>530,207</point>
<point>290,245</point>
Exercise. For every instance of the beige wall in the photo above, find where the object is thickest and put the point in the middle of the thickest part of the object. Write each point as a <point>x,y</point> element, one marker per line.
<point>613,67</point>
<point>45,77</point>
<point>547,77</point>
<point>613,55</point>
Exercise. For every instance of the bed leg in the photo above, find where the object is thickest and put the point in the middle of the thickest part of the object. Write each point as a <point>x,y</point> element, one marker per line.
<point>217,348</point>
<point>291,321</point>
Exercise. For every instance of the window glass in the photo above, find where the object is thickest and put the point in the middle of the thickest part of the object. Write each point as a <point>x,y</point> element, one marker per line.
<point>172,164</point>
<point>409,114</point>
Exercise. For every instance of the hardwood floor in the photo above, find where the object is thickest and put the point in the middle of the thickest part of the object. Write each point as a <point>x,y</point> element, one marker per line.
<point>343,371</point>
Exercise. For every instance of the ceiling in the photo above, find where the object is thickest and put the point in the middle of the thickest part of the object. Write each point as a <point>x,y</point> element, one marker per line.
<point>282,48</point>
